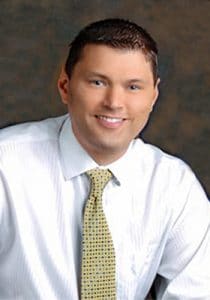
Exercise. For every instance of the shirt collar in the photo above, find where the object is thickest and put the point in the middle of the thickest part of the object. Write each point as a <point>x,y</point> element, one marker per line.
<point>128,165</point>
<point>75,160</point>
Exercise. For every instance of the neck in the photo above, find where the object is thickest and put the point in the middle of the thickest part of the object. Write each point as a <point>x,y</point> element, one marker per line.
<point>104,155</point>
<point>103,158</point>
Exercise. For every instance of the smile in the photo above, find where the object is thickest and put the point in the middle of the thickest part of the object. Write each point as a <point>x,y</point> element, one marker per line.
<point>111,123</point>
<point>111,119</point>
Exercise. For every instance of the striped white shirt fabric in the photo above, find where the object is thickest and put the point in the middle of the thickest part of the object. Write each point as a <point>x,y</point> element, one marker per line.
<point>157,212</point>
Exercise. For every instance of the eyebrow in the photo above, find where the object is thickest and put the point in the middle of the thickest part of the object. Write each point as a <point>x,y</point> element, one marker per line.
<point>96,74</point>
<point>132,80</point>
<point>137,80</point>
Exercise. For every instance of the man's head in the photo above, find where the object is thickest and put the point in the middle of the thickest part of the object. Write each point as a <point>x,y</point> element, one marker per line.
<point>110,86</point>
<point>115,33</point>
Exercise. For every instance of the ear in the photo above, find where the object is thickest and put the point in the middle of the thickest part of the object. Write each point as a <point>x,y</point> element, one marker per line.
<point>156,93</point>
<point>63,86</point>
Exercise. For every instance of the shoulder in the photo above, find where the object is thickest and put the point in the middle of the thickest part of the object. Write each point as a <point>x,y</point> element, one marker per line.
<point>163,166</point>
<point>170,180</point>
<point>156,156</point>
<point>33,141</point>
<point>30,132</point>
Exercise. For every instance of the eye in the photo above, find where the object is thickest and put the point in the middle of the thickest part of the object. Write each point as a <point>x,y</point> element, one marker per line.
<point>97,82</point>
<point>134,87</point>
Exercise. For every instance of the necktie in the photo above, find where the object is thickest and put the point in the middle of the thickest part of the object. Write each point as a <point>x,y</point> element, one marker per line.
<point>98,256</point>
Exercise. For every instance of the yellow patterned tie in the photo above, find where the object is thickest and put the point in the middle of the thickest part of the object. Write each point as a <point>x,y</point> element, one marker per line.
<point>98,255</point>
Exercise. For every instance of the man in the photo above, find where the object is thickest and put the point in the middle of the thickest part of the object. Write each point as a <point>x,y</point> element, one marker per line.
<point>156,212</point>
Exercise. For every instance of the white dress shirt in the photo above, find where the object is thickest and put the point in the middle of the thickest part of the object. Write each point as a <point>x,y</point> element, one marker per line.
<point>157,212</point>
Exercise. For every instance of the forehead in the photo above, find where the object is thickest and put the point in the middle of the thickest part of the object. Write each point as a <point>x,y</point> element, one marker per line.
<point>111,60</point>
<point>102,50</point>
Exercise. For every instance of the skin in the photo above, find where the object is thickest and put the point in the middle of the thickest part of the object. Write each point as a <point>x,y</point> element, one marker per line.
<point>110,96</point>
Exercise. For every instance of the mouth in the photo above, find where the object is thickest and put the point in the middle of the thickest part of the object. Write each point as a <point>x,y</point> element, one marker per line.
<point>108,119</point>
<point>110,122</point>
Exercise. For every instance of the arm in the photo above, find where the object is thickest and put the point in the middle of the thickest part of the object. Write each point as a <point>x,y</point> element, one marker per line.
<point>6,223</point>
<point>184,271</point>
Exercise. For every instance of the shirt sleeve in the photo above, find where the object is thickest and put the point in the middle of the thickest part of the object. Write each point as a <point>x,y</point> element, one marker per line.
<point>6,223</point>
<point>184,271</point>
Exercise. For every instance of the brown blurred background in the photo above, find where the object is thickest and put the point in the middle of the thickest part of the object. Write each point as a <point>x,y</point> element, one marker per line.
<point>34,42</point>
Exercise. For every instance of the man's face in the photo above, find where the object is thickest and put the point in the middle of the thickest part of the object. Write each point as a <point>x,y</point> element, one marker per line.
<point>110,95</point>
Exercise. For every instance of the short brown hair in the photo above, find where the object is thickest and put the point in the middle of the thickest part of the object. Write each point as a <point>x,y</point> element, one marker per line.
<point>116,33</point>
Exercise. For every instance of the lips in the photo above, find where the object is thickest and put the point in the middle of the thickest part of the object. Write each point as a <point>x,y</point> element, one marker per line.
<point>110,119</point>
<point>110,122</point>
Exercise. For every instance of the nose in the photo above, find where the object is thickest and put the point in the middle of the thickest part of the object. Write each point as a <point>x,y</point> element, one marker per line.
<point>114,98</point>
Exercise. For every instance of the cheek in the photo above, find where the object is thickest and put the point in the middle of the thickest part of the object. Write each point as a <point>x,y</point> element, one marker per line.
<point>86,98</point>
<point>142,103</point>
<point>141,109</point>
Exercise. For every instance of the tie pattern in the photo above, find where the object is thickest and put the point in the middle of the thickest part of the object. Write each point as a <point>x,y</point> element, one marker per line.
<point>98,256</point>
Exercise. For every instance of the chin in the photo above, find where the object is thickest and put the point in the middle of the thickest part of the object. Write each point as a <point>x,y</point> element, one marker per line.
<point>112,147</point>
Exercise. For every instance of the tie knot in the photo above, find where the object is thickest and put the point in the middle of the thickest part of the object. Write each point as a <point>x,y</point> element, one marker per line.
<point>99,178</point>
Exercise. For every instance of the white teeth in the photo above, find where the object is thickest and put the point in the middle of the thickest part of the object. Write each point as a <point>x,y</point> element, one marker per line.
<point>111,120</point>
